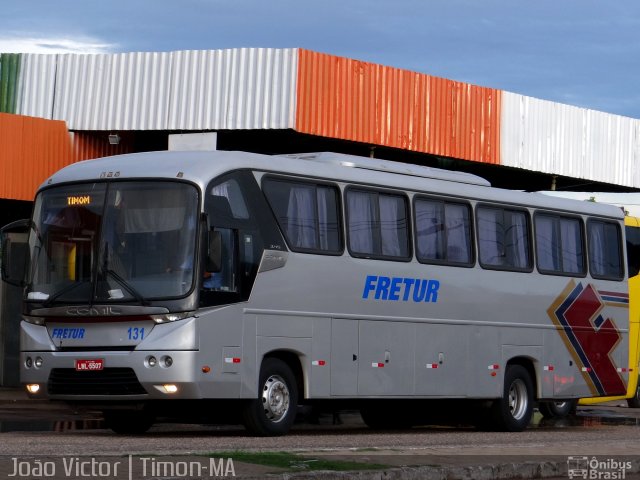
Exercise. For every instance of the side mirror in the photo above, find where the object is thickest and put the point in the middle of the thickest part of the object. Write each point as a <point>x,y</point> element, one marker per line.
<point>14,252</point>
<point>213,262</point>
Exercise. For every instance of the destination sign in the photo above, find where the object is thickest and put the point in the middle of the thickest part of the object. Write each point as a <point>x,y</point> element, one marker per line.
<point>78,200</point>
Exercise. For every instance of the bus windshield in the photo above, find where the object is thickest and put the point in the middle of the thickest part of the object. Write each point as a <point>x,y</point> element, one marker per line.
<point>113,242</point>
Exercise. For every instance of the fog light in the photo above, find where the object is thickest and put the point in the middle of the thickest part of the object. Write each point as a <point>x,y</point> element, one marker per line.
<point>152,361</point>
<point>167,361</point>
<point>39,362</point>
<point>170,388</point>
<point>33,388</point>
<point>28,362</point>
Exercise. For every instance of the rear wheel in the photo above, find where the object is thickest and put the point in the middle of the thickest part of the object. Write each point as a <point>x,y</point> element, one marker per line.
<point>512,412</point>
<point>127,422</point>
<point>274,411</point>
<point>557,409</point>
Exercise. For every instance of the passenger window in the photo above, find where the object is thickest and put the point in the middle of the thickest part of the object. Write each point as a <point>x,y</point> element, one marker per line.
<point>308,214</point>
<point>503,238</point>
<point>605,259</point>
<point>559,245</point>
<point>443,232</point>
<point>230,190</point>
<point>378,224</point>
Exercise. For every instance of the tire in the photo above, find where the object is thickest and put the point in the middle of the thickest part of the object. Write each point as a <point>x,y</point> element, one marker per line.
<point>512,412</point>
<point>126,422</point>
<point>273,412</point>
<point>634,402</point>
<point>557,409</point>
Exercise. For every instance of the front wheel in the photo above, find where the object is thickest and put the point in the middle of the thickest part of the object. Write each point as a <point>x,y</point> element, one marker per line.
<point>512,412</point>
<point>274,411</point>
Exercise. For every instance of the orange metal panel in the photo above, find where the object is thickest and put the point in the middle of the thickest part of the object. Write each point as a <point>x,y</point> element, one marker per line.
<point>89,145</point>
<point>364,102</point>
<point>31,149</point>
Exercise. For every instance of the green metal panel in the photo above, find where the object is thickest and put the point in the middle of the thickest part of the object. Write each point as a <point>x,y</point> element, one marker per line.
<point>9,74</point>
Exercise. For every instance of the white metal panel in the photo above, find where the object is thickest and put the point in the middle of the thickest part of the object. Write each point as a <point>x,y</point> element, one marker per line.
<point>76,87</point>
<point>245,88</point>
<point>242,88</point>
<point>560,139</point>
<point>127,91</point>
<point>36,85</point>
<point>140,86</point>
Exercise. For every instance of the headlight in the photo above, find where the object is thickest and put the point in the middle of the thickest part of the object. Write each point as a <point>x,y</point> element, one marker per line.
<point>171,317</point>
<point>33,388</point>
<point>33,320</point>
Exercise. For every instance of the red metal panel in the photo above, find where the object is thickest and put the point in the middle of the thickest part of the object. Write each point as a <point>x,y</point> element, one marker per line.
<point>31,149</point>
<point>365,102</point>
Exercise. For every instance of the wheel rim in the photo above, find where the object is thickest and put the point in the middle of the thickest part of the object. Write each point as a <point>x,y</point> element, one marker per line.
<point>518,399</point>
<point>275,398</point>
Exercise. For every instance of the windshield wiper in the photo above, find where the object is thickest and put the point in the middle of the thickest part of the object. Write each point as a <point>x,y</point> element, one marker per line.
<point>126,285</point>
<point>105,270</point>
<point>59,293</point>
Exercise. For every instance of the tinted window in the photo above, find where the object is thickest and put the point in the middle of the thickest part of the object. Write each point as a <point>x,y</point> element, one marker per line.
<point>443,232</point>
<point>605,259</point>
<point>559,244</point>
<point>230,190</point>
<point>377,224</point>
<point>307,213</point>
<point>503,238</point>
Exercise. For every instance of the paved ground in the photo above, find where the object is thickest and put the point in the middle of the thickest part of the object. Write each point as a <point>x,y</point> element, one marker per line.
<point>426,453</point>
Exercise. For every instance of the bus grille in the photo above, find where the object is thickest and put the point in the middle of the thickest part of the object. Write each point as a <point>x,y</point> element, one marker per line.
<point>110,381</point>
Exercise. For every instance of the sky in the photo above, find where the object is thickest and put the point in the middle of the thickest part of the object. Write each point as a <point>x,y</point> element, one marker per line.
<point>579,52</point>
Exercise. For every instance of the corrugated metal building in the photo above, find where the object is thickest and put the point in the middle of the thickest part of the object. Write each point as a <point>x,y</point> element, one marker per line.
<point>288,100</point>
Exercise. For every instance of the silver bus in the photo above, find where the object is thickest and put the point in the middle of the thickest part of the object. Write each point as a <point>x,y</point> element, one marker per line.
<point>237,287</point>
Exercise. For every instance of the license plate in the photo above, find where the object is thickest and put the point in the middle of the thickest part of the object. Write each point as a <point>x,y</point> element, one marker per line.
<point>89,365</point>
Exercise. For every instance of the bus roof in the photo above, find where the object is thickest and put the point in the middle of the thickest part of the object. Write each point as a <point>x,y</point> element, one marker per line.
<point>200,167</point>
<point>376,164</point>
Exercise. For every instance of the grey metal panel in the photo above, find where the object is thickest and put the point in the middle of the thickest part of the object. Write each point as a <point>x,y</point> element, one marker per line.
<point>127,91</point>
<point>36,85</point>
<point>550,137</point>
<point>343,363</point>
<point>386,358</point>
<point>242,88</point>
